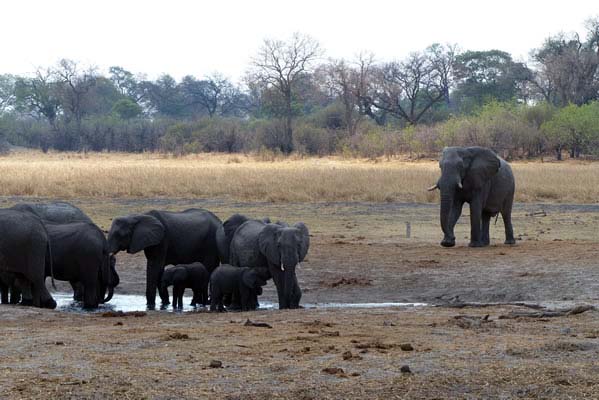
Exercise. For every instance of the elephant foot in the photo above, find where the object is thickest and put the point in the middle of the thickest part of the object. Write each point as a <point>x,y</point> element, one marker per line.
<point>151,306</point>
<point>476,244</point>
<point>448,243</point>
<point>510,241</point>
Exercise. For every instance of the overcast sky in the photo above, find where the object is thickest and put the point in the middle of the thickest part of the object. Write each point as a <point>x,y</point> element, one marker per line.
<point>200,37</point>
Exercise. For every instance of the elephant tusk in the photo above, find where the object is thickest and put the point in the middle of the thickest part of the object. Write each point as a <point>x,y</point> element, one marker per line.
<point>460,185</point>
<point>435,186</point>
<point>282,267</point>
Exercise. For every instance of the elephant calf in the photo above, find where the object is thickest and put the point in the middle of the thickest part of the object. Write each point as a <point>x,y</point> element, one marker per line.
<point>244,284</point>
<point>194,276</point>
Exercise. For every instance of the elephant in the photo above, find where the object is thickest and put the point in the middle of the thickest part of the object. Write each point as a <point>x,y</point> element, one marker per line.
<point>225,232</point>
<point>243,283</point>
<point>24,248</point>
<point>64,213</point>
<point>58,212</point>
<point>166,237</point>
<point>475,175</point>
<point>80,255</point>
<point>18,288</point>
<point>182,276</point>
<point>277,248</point>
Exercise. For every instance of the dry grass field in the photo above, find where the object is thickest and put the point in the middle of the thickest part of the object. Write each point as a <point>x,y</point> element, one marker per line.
<point>357,211</point>
<point>271,179</point>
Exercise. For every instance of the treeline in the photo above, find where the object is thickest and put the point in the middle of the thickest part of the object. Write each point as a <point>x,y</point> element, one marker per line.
<point>290,100</point>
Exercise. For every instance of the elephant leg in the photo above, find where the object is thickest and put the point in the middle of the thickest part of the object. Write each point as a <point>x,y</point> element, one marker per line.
<point>89,283</point>
<point>486,221</point>
<point>16,294</point>
<point>77,291</point>
<point>506,215</point>
<point>279,280</point>
<point>296,294</point>
<point>153,276</point>
<point>3,293</point>
<point>475,222</point>
<point>180,298</point>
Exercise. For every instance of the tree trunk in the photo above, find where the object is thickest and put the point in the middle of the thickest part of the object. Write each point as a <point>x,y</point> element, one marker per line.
<point>287,145</point>
<point>558,153</point>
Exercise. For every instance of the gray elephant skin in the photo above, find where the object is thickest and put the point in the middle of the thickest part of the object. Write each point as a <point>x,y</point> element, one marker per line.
<point>475,175</point>
<point>59,212</point>
<point>244,284</point>
<point>72,255</point>
<point>167,237</point>
<point>24,247</point>
<point>225,233</point>
<point>80,256</point>
<point>192,276</point>
<point>277,248</point>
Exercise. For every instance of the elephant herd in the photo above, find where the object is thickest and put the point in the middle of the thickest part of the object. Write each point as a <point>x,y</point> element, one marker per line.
<point>225,264</point>
<point>235,259</point>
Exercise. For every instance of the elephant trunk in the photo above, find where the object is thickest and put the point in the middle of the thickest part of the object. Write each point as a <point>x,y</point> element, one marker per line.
<point>447,196</point>
<point>289,285</point>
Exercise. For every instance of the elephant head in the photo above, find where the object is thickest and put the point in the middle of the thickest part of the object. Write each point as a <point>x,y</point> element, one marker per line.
<point>285,247</point>
<point>134,233</point>
<point>254,279</point>
<point>463,171</point>
<point>168,276</point>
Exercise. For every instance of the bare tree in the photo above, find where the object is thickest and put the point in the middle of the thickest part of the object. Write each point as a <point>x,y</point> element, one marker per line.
<point>215,94</point>
<point>75,84</point>
<point>7,91</point>
<point>408,89</point>
<point>281,65</point>
<point>38,96</point>
<point>349,82</point>
<point>568,67</point>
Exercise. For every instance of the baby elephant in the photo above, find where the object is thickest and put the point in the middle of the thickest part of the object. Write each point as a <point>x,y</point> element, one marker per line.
<point>193,276</point>
<point>244,284</point>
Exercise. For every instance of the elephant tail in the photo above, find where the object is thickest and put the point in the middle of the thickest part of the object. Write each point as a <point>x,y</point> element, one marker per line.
<point>49,250</point>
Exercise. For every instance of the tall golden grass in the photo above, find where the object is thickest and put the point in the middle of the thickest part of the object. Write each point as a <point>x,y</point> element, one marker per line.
<point>252,178</point>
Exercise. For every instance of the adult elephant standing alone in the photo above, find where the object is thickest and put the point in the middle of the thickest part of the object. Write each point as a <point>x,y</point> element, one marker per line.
<point>475,175</point>
<point>167,238</point>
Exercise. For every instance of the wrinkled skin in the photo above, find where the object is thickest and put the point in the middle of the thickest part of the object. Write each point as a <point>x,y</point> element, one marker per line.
<point>58,212</point>
<point>80,256</point>
<point>477,176</point>
<point>63,213</point>
<point>166,237</point>
<point>276,247</point>
<point>24,246</point>
<point>187,276</point>
<point>225,233</point>
<point>242,283</point>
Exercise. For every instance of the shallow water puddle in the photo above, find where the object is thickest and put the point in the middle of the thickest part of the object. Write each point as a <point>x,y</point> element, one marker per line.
<point>128,302</point>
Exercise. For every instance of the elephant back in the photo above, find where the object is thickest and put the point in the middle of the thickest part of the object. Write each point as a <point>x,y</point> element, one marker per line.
<point>57,212</point>
<point>224,235</point>
<point>244,249</point>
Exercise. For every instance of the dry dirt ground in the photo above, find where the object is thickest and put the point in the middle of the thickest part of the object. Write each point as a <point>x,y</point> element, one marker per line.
<point>359,253</point>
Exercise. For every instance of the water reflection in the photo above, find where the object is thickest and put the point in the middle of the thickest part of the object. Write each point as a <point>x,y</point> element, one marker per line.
<point>132,302</point>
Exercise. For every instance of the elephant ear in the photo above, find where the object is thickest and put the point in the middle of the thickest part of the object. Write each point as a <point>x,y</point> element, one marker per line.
<point>148,231</point>
<point>249,278</point>
<point>484,164</point>
<point>305,240</point>
<point>267,243</point>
